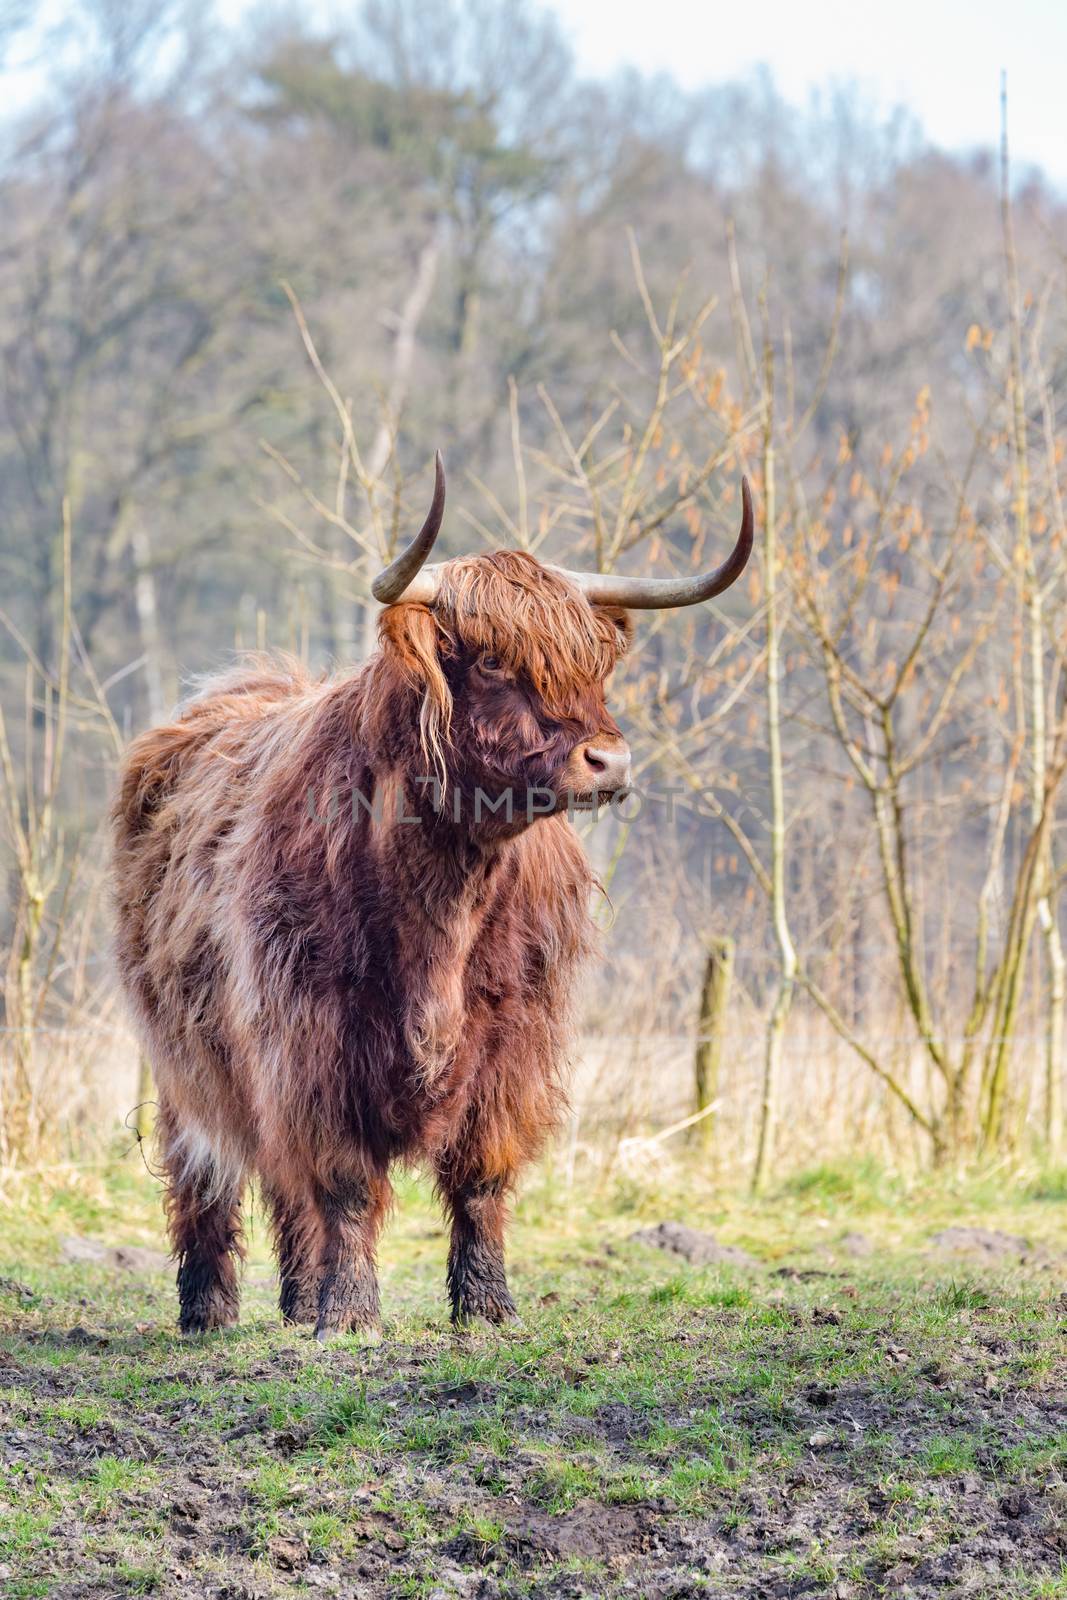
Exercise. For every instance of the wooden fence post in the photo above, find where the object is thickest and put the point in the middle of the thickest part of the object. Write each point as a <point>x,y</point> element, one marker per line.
<point>714,1003</point>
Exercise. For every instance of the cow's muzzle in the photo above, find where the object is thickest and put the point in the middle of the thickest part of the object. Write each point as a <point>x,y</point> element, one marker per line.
<point>599,771</point>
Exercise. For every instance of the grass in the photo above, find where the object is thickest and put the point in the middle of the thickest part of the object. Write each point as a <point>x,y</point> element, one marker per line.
<point>878,1422</point>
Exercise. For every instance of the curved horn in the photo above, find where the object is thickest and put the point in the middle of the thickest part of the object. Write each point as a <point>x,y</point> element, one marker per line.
<point>403,576</point>
<point>653,594</point>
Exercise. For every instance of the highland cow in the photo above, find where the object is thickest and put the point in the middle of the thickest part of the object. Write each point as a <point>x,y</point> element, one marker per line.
<point>350,914</point>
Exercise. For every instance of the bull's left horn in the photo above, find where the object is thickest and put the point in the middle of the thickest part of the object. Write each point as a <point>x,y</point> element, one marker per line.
<point>405,578</point>
<point>653,594</point>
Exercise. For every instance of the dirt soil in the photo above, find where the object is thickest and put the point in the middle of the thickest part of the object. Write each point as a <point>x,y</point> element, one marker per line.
<point>654,1429</point>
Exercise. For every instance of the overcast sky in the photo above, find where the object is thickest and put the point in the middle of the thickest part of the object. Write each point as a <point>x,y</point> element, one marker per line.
<point>940,58</point>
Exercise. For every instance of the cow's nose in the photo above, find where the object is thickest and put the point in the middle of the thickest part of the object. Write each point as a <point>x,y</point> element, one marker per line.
<point>608,765</point>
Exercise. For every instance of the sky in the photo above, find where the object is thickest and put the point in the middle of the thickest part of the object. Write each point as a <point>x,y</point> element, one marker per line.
<point>940,58</point>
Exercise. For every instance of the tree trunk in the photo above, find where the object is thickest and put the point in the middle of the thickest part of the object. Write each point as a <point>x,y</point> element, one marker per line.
<point>1032,590</point>
<point>407,326</point>
<point>147,604</point>
<point>783,1001</point>
<point>1057,993</point>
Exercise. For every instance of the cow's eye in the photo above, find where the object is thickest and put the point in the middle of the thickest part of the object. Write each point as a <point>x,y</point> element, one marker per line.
<point>491,664</point>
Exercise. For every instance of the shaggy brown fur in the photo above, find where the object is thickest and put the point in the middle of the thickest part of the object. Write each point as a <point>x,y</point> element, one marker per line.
<point>324,988</point>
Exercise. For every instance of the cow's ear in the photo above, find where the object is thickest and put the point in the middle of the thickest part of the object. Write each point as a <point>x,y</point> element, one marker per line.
<point>622,623</point>
<point>415,641</point>
<point>409,635</point>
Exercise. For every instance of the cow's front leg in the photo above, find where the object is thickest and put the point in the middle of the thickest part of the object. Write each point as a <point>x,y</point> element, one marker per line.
<point>477,1283</point>
<point>351,1211</point>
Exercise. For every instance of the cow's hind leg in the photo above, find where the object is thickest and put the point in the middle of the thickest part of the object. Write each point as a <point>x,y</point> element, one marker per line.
<point>297,1236</point>
<point>477,1283</point>
<point>351,1210</point>
<point>204,1222</point>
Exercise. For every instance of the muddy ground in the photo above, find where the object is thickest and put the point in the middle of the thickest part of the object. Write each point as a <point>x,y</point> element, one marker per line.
<point>839,1424</point>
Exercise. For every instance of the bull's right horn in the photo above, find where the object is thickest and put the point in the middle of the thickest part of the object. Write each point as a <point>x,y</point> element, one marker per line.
<point>405,578</point>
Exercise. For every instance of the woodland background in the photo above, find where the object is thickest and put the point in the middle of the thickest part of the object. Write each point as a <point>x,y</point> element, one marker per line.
<point>249,282</point>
